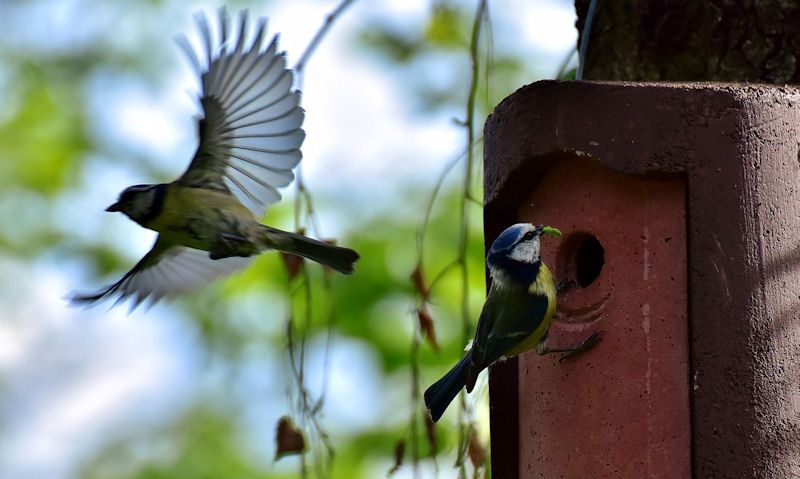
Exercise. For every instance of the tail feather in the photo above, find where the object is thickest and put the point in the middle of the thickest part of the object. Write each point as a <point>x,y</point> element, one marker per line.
<point>442,392</point>
<point>339,258</point>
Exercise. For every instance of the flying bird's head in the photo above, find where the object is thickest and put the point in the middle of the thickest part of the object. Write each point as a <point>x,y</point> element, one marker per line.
<point>141,203</point>
<point>515,250</point>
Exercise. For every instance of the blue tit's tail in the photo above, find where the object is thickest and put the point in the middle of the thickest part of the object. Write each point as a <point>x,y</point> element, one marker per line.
<point>442,392</point>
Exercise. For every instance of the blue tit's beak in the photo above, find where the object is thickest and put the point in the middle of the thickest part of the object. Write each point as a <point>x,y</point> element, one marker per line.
<point>550,230</point>
<point>115,207</point>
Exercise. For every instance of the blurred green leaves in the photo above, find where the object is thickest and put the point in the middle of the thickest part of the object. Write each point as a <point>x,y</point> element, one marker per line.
<point>43,133</point>
<point>448,26</point>
<point>202,444</point>
<point>391,44</point>
<point>440,44</point>
<point>45,141</point>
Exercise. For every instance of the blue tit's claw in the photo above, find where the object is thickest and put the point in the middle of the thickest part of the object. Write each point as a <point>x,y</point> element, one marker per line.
<point>586,345</point>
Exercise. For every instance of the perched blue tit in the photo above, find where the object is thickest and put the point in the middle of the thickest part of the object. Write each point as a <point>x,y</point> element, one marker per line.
<point>250,137</point>
<point>515,316</point>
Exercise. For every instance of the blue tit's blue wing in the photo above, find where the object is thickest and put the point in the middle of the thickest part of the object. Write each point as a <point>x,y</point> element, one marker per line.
<point>250,133</point>
<point>166,270</point>
<point>508,319</point>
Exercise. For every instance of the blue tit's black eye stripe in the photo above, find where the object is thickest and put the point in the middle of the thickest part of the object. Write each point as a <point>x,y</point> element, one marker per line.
<point>528,236</point>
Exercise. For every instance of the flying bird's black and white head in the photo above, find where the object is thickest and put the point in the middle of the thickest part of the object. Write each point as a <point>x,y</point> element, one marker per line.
<point>141,203</point>
<point>514,255</point>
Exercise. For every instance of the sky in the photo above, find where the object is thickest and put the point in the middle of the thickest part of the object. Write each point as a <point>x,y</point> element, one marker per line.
<point>71,377</point>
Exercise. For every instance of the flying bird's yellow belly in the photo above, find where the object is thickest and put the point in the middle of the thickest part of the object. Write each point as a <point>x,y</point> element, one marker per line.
<point>196,217</point>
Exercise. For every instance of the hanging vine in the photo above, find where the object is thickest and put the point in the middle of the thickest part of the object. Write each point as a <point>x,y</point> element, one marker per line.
<point>303,289</point>
<point>469,446</point>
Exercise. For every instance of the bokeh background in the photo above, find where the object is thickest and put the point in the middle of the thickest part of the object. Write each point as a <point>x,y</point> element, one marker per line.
<point>96,96</point>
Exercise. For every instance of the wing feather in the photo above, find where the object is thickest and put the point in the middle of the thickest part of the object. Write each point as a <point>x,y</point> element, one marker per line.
<point>507,319</point>
<point>276,144</point>
<point>165,271</point>
<point>259,63</point>
<point>263,110</point>
<point>250,134</point>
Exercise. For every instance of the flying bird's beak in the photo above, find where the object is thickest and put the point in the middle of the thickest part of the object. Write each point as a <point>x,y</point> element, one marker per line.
<point>115,207</point>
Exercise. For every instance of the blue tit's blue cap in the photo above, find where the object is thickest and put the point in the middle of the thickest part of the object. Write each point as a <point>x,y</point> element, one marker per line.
<point>510,236</point>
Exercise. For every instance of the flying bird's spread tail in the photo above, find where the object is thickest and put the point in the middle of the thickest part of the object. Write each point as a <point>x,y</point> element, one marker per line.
<point>339,258</point>
<point>259,238</point>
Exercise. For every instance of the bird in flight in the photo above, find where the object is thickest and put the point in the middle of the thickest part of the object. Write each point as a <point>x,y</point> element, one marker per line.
<point>250,136</point>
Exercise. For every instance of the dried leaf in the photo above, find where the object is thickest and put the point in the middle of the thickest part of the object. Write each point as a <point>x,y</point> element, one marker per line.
<point>430,431</point>
<point>477,454</point>
<point>419,282</point>
<point>288,438</point>
<point>399,454</point>
<point>293,264</point>
<point>427,328</point>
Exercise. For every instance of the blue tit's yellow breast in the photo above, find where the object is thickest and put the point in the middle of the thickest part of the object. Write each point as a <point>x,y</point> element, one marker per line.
<point>542,286</point>
<point>545,286</point>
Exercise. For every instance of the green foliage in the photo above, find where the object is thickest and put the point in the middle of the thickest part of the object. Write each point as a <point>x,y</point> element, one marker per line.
<point>45,139</point>
<point>444,39</point>
<point>373,306</point>
<point>202,444</point>
<point>448,26</point>
<point>391,44</point>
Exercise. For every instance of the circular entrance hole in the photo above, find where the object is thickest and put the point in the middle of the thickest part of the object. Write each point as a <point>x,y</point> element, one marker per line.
<point>589,260</point>
<point>581,258</point>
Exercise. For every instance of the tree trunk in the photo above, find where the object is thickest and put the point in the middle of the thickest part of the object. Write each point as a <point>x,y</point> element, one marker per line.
<point>693,40</point>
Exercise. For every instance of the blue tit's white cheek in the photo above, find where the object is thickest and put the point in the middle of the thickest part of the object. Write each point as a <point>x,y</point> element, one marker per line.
<point>526,251</point>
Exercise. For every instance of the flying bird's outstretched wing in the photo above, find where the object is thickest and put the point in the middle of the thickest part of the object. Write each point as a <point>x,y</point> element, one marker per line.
<point>250,139</point>
<point>165,270</point>
<point>250,134</point>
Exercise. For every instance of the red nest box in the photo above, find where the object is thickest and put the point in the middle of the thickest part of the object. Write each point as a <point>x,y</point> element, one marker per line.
<point>680,208</point>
